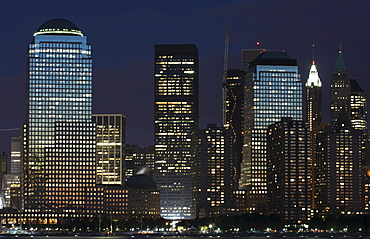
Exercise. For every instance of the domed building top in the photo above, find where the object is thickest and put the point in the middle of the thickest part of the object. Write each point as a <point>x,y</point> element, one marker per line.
<point>141,181</point>
<point>58,26</point>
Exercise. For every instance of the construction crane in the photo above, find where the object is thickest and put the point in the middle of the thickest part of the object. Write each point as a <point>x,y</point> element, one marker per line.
<point>224,76</point>
<point>11,129</point>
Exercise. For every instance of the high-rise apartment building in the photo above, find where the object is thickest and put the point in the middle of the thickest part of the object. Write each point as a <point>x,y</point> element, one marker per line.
<point>234,114</point>
<point>58,165</point>
<point>176,123</point>
<point>213,174</point>
<point>340,88</point>
<point>110,143</point>
<point>338,169</point>
<point>273,90</point>
<point>289,169</point>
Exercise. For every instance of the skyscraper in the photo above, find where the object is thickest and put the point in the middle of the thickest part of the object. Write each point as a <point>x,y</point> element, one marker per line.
<point>358,108</point>
<point>234,114</point>
<point>110,144</point>
<point>176,123</point>
<point>313,98</point>
<point>338,169</point>
<point>273,90</point>
<point>340,88</point>
<point>289,169</point>
<point>213,173</point>
<point>58,164</point>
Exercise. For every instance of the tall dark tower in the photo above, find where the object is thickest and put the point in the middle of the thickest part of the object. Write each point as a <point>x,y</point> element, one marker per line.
<point>234,115</point>
<point>340,89</point>
<point>176,124</point>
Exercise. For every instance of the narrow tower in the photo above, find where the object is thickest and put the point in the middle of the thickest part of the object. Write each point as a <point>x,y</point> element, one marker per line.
<point>340,89</point>
<point>313,98</point>
<point>176,124</point>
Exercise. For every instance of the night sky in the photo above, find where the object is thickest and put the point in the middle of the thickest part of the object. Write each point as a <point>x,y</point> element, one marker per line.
<point>123,34</point>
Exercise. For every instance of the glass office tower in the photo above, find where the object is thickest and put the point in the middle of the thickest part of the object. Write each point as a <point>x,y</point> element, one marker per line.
<point>176,123</point>
<point>59,137</point>
<point>273,90</point>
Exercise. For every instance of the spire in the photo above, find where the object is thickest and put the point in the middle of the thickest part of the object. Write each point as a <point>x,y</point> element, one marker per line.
<point>313,76</point>
<point>339,65</point>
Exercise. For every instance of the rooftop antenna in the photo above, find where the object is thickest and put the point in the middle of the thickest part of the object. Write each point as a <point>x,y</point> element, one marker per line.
<point>313,54</point>
<point>224,75</point>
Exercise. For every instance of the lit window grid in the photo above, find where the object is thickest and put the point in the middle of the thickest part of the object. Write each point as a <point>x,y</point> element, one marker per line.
<point>60,89</point>
<point>175,78</point>
<point>337,170</point>
<point>110,141</point>
<point>289,170</point>
<point>272,92</point>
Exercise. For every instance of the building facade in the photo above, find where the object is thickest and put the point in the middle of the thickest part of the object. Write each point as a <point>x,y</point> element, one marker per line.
<point>234,114</point>
<point>58,151</point>
<point>359,109</point>
<point>176,123</point>
<point>340,88</point>
<point>289,170</point>
<point>249,55</point>
<point>338,169</point>
<point>110,144</point>
<point>213,174</point>
<point>273,90</point>
<point>139,159</point>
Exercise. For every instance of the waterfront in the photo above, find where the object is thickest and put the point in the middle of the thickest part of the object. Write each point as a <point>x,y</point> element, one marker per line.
<point>237,236</point>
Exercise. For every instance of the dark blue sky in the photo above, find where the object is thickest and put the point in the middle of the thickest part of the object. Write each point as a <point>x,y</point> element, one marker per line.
<point>123,34</point>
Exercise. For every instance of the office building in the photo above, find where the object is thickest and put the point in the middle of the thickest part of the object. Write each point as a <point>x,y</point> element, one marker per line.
<point>289,170</point>
<point>11,187</point>
<point>340,88</point>
<point>249,55</point>
<point>176,123</point>
<point>338,169</point>
<point>144,197</point>
<point>359,109</point>
<point>139,159</point>
<point>110,143</point>
<point>15,155</point>
<point>116,202</point>
<point>213,174</point>
<point>273,90</point>
<point>58,165</point>
<point>234,114</point>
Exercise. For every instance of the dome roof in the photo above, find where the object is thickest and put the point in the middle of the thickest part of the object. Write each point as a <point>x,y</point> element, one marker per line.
<point>58,26</point>
<point>141,181</point>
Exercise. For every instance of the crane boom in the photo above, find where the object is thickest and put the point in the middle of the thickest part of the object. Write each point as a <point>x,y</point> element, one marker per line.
<point>11,129</point>
<point>224,75</point>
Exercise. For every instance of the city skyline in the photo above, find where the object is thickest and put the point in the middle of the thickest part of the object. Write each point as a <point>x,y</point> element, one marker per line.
<point>127,61</point>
